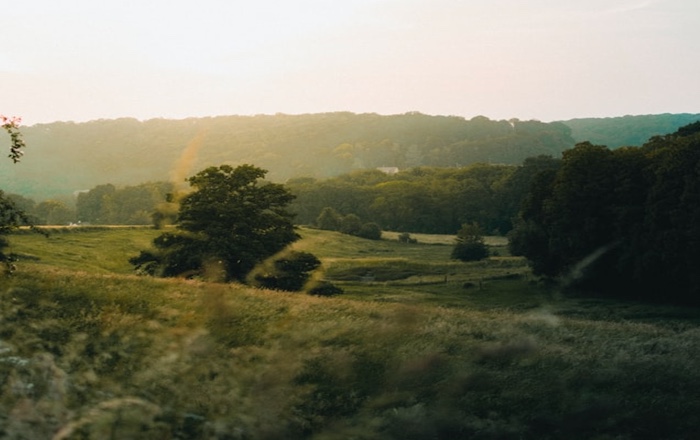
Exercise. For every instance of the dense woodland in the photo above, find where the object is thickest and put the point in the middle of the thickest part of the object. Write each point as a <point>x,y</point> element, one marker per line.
<point>425,199</point>
<point>625,222</point>
<point>67,157</point>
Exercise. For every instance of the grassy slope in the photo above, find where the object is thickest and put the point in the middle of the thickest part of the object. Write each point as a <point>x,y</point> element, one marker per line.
<point>100,353</point>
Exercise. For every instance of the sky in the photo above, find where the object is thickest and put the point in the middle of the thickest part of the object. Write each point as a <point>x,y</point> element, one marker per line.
<point>81,60</point>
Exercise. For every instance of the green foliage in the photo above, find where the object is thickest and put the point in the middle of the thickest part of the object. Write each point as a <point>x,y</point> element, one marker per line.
<point>621,222</point>
<point>11,218</point>
<point>53,212</point>
<point>627,130</point>
<point>11,215</point>
<point>289,272</point>
<point>17,145</point>
<point>351,224</point>
<point>370,230</point>
<point>91,205</point>
<point>425,200</point>
<point>231,221</point>
<point>329,219</point>
<point>131,205</point>
<point>470,244</point>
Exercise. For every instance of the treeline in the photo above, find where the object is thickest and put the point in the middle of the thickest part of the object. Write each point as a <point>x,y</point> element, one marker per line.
<point>420,200</point>
<point>143,204</point>
<point>68,157</point>
<point>623,222</point>
<point>627,131</point>
<point>423,199</point>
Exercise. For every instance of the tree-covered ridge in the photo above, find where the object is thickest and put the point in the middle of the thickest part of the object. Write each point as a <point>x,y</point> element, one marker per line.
<point>627,130</point>
<point>78,156</point>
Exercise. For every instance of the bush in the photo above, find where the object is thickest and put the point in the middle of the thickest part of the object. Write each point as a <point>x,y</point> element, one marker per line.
<point>325,288</point>
<point>371,231</point>
<point>470,251</point>
<point>470,244</point>
<point>405,237</point>
<point>290,272</point>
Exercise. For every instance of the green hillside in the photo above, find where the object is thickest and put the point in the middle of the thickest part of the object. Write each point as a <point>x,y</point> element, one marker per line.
<point>627,130</point>
<point>427,348</point>
<point>65,157</point>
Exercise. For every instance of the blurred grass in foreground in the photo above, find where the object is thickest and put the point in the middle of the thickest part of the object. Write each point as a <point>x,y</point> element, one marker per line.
<point>90,351</point>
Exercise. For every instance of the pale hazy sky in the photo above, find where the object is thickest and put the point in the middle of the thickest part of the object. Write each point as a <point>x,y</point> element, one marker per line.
<point>532,59</point>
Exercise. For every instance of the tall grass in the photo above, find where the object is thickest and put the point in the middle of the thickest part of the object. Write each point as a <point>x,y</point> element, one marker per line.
<point>93,354</point>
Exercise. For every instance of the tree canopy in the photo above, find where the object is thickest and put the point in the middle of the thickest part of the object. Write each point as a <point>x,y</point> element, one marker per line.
<point>230,222</point>
<point>623,222</point>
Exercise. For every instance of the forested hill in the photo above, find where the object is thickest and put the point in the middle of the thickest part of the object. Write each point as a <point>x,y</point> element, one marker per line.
<point>627,130</point>
<point>65,157</point>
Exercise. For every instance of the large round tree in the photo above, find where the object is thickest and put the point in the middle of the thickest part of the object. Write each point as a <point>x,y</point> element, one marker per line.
<point>232,221</point>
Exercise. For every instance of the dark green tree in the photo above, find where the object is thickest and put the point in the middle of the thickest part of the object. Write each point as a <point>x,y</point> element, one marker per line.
<point>516,187</point>
<point>470,244</point>
<point>232,219</point>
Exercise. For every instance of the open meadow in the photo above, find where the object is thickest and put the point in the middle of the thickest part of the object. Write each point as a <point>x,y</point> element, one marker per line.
<point>418,347</point>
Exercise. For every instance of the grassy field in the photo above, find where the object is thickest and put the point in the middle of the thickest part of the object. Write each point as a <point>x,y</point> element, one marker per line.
<point>419,347</point>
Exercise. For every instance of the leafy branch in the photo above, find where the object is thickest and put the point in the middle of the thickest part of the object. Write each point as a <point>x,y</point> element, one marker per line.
<point>11,126</point>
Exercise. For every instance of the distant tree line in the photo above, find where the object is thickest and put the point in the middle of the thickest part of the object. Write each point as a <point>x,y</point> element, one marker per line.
<point>423,200</point>
<point>132,205</point>
<point>627,131</point>
<point>622,222</point>
<point>289,146</point>
<point>361,203</point>
<point>330,220</point>
<point>102,205</point>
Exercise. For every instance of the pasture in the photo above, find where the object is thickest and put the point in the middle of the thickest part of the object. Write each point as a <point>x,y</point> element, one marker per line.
<point>418,347</point>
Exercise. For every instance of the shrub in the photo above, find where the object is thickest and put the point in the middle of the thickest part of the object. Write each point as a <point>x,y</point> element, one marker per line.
<point>325,288</point>
<point>470,251</point>
<point>470,244</point>
<point>405,237</point>
<point>290,272</point>
<point>371,231</point>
